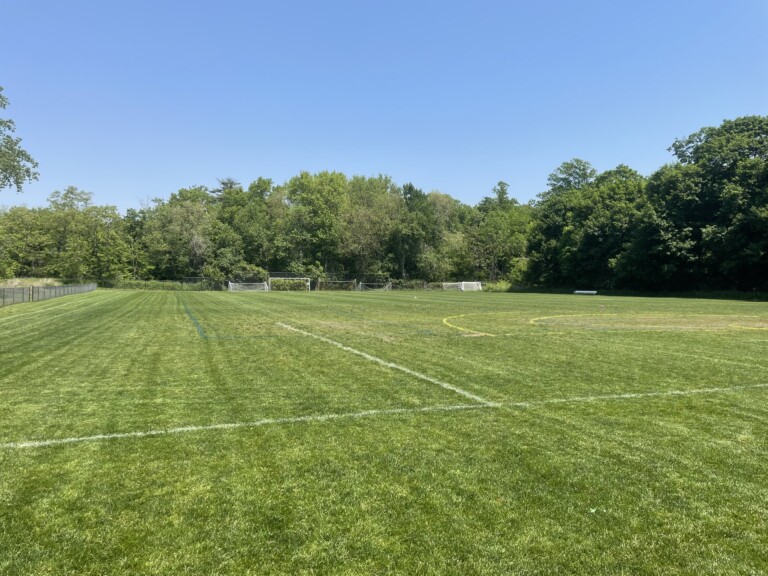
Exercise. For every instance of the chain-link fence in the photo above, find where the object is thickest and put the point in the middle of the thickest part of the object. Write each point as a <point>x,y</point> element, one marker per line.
<point>10,296</point>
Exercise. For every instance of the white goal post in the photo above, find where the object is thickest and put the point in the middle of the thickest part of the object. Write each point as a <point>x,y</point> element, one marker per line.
<point>374,287</point>
<point>278,283</point>
<point>463,286</point>
<point>247,286</point>
<point>336,285</point>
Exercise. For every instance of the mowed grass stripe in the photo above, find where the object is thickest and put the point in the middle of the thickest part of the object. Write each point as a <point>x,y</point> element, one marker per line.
<point>108,371</point>
<point>370,413</point>
<point>594,361</point>
<point>580,355</point>
<point>518,364</point>
<point>236,425</point>
<point>664,474</point>
<point>64,336</point>
<point>470,492</point>
<point>339,309</point>
<point>140,364</point>
<point>29,317</point>
<point>674,347</point>
<point>344,378</point>
<point>387,364</point>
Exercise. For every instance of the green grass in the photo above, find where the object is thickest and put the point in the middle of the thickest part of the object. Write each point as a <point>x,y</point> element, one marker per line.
<point>508,434</point>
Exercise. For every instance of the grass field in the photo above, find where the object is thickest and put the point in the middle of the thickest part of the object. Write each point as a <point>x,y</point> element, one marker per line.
<point>372,433</point>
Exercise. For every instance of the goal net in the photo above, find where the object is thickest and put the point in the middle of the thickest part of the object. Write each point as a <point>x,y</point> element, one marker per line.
<point>336,285</point>
<point>373,287</point>
<point>288,284</point>
<point>463,286</point>
<point>248,286</point>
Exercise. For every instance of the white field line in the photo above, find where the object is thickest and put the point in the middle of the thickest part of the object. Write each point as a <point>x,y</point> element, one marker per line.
<point>371,413</point>
<point>392,365</point>
<point>236,425</point>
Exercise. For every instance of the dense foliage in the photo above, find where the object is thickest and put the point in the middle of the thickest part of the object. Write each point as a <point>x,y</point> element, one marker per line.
<point>314,225</point>
<point>16,165</point>
<point>699,223</point>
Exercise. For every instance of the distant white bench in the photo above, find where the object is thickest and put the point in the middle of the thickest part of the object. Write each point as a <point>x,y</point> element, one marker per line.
<point>587,292</point>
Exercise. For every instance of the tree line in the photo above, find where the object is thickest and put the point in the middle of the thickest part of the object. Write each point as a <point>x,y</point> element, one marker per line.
<point>700,223</point>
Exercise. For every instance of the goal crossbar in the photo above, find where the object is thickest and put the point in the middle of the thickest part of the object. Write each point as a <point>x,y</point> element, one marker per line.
<point>463,286</point>
<point>374,287</point>
<point>247,286</point>
<point>336,285</point>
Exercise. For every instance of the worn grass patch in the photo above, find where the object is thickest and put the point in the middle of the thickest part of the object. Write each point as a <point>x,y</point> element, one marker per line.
<point>407,433</point>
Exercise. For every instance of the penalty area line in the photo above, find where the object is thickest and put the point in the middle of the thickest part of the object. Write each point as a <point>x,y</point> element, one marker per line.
<point>236,425</point>
<point>392,365</point>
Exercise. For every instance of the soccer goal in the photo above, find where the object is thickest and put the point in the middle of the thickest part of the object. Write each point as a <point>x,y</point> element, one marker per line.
<point>374,287</point>
<point>336,285</point>
<point>247,286</point>
<point>463,286</point>
<point>288,284</point>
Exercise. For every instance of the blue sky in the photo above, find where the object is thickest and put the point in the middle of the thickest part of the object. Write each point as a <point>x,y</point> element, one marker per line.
<point>134,99</point>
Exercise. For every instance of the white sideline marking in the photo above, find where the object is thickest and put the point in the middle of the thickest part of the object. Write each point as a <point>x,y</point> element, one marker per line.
<point>235,425</point>
<point>367,413</point>
<point>367,356</point>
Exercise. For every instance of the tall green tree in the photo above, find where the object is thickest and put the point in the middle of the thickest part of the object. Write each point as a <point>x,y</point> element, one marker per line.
<point>579,233</point>
<point>86,240</point>
<point>616,199</point>
<point>317,204</point>
<point>16,165</point>
<point>372,213</point>
<point>283,251</point>
<point>572,175</point>
<point>176,236</point>
<point>108,242</point>
<point>732,160</point>
<point>559,211</point>
<point>248,215</point>
<point>665,248</point>
<point>136,237</point>
<point>25,241</point>
<point>409,235</point>
<point>443,253</point>
<point>706,224</point>
<point>69,256</point>
<point>500,199</point>
<point>498,241</point>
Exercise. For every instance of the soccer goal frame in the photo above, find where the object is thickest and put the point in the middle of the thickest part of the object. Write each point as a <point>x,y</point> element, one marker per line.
<point>374,287</point>
<point>463,286</point>
<point>349,285</point>
<point>273,282</point>
<point>248,286</point>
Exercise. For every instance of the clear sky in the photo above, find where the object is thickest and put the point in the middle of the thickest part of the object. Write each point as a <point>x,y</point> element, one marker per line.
<point>134,99</point>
